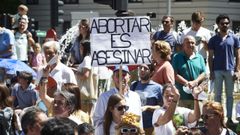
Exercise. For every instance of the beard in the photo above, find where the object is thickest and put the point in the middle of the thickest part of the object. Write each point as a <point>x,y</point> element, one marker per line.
<point>224,29</point>
<point>145,77</point>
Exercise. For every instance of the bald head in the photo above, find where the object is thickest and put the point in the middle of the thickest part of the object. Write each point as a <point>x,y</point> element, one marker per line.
<point>189,43</point>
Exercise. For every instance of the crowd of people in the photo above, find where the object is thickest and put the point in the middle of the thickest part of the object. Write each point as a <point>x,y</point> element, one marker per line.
<point>164,100</point>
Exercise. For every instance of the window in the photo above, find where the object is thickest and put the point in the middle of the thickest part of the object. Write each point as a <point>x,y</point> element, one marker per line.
<point>236,26</point>
<point>180,24</point>
<point>234,0</point>
<point>182,0</point>
<point>70,1</point>
<point>135,1</point>
<point>32,2</point>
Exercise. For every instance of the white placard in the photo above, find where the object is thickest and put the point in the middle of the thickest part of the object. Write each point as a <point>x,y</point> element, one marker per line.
<point>120,40</point>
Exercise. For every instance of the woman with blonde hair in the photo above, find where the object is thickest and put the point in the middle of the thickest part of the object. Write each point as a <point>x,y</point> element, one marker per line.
<point>161,55</point>
<point>213,118</point>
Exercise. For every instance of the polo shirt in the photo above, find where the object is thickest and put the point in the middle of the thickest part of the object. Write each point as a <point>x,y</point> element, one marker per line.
<point>223,51</point>
<point>196,66</point>
<point>25,98</point>
<point>168,37</point>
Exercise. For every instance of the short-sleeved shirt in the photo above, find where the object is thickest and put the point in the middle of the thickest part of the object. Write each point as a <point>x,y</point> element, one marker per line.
<point>21,46</point>
<point>6,40</point>
<point>25,98</point>
<point>169,129</point>
<point>201,34</point>
<point>163,73</point>
<point>150,94</point>
<point>168,37</point>
<point>189,69</point>
<point>61,74</point>
<point>223,51</point>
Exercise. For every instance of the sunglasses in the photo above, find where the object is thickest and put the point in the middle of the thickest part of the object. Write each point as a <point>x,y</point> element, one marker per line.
<point>224,23</point>
<point>129,130</point>
<point>122,107</point>
<point>207,116</point>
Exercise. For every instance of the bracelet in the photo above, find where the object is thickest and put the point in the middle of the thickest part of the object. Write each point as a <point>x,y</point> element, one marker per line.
<point>196,99</point>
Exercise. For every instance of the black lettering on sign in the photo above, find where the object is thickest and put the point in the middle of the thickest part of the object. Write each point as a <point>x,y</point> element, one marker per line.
<point>120,25</point>
<point>103,57</point>
<point>123,38</point>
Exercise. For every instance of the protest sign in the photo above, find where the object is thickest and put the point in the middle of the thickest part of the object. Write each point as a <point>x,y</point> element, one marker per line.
<point>120,40</point>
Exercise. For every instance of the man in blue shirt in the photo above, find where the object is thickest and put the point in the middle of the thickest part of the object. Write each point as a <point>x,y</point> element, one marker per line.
<point>6,46</point>
<point>167,34</point>
<point>223,48</point>
<point>150,94</point>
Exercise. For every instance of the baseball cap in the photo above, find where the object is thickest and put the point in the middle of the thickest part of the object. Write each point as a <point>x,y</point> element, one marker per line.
<point>124,68</point>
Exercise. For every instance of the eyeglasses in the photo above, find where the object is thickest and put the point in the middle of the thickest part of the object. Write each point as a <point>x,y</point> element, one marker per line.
<point>129,130</point>
<point>224,23</point>
<point>122,107</point>
<point>207,116</point>
<point>165,22</point>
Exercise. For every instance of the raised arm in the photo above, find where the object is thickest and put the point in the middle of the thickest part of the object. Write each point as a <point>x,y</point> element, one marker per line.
<point>168,115</point>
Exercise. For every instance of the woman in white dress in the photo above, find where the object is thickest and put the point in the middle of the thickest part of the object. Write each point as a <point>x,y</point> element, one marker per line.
<point>87,77</point>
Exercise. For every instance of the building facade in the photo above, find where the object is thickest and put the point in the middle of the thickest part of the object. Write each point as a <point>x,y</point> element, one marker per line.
<point>180,10</point>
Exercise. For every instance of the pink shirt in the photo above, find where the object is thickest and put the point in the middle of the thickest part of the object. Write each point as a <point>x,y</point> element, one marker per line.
<point>37,60</point>
<point>164,73</point>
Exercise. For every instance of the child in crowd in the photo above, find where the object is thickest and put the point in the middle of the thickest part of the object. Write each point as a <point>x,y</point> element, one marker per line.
<point>24,93</point>
<point>36,58</point>
<point>22,13</point>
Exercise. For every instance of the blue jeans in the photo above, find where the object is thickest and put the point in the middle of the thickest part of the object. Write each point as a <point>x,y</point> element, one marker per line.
<point>227,77</point>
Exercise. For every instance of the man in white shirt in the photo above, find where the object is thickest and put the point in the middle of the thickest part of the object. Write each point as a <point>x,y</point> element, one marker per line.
<point>201,34</point>
<point>55,69</point>
<point>132,98</point>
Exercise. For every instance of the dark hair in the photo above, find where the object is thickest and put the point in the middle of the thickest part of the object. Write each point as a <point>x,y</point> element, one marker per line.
<point>165,86</point>
<point>222,16</point>
<point>197,17</point>
<point>59,126</point>
<point>108,117</point>
<point>25,75</point>
<point>86,49</point>
<point>85,128</point>
<point>29,118</point>
<point>5,99</point>
<point>73,88</point>
<point>85,23</point>
<point>70,99</point>
<point>166,16</point>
